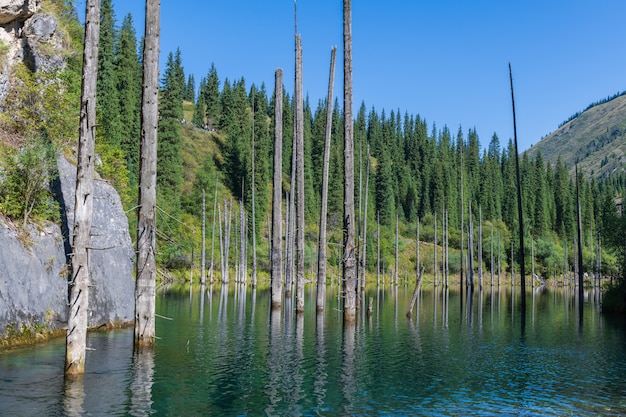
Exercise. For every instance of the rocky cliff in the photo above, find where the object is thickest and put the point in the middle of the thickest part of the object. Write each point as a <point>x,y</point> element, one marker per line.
<point>34,266</point>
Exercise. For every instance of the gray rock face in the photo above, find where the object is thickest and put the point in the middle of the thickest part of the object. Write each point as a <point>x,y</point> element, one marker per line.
<point>33,277</point>
<point>11,10</point>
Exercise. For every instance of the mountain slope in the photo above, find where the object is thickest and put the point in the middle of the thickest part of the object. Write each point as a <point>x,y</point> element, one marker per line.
<point>595,138</point>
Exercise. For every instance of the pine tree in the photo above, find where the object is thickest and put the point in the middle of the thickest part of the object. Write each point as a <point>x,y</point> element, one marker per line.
<point>109,129</point>
<point>170,162</point>
<point>212,98</point>
<point>190,89</point>
<point>128,71</point>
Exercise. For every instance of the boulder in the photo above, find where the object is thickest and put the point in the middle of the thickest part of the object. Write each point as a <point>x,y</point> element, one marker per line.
<point>34,265</point>
<point>20,10</point>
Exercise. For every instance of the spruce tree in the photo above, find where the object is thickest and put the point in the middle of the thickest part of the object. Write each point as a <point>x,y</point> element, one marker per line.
<point>109,130</point>
<point>128,70</point>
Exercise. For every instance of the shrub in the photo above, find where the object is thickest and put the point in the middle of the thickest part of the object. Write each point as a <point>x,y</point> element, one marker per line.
<point>24,178</point>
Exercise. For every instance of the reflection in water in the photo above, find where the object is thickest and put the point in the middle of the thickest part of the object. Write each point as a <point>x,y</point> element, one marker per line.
<point>348,378</point>
<point>247,359</point>
<point>74,396</point>
<point>321,376</point>
<point>141,383</point>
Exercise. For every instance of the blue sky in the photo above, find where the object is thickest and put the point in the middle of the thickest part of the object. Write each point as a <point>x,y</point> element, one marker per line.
<point>445,60</point>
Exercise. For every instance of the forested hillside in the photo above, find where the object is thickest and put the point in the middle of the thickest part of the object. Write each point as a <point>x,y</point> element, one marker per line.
<point>416,171</point>
<point>595,138</point>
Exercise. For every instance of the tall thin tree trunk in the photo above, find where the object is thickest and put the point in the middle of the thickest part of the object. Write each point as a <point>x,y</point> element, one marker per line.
<point>277,193</point>
<point>213,232</point>
<point>321,253</point>
<point>76,338</point>
<point>396,264</point>
<point>349,258</point>
<point>242,243</point>
<point>417,249</point>
<point>435,268</point>
<point>580,250</point>
<point>145,282</point>
<point>378,248</point>
<point>480,247</point>
<point>520,213</point>
<point>299,138</point>
<point>364,244</point>
<point>499,257</point>
<point>253,214</point>
<point>470,249</point>
<point>462,240</point>
<point>491,261</point>
<point>203,252</point>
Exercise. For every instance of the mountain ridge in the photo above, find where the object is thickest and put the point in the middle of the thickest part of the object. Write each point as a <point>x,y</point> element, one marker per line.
<point>595,139</point>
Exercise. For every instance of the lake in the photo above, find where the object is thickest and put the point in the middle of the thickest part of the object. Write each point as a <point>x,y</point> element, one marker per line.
<point>222,352</point>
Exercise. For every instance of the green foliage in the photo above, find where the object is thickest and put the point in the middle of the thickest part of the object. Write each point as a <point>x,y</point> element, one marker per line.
<point>45,104</point>
<point>25,176</point>
<point>113,168</point>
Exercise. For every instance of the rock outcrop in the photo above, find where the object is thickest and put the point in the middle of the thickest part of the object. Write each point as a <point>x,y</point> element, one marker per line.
<point>33,267</point>
<point>27,36</point>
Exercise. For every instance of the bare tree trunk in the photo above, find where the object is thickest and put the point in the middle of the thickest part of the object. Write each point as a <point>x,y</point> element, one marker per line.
<point>277,193</point>
<point>349,258</point>
<point>321,254</point>
<point>253,185</point>
<point>418,284</point>
<point>580,251</point>
<point>242,243</point>
<point>378,248</point>
<point>396,264</point>
<point>203,253</point>
<point>213,232</point>
<point>417,249</point>
<point>470,249</point>
<point>480,247</point>
<point>299,138</point>
<point>76,338</point>
<point>499,257</point>
<point>435,249</point>
<point>145,283</point>
<point>520,213</point>
<point>364,245</point>
<point>492,258</point>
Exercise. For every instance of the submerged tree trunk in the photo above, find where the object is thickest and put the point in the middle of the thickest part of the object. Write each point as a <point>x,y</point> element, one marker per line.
<point>277,193</point>
<point>520,213</point>
<point>580,249</point>
<point>396,264</point>
<point>253,214</point>
<point>364,244</point>
<point>321,254</point>
<point>349,257</point>
<point>203,252</point>
<point>76,338</point>
<point>213,233</point>
<point>146,223</point>
<point>299,138</point>
<point>418,284</point>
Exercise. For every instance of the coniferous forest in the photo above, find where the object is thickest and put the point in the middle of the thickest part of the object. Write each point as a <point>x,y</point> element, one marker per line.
<point>406,168</point>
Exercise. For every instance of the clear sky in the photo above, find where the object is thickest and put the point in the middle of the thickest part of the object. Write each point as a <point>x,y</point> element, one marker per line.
<point>445,60</point>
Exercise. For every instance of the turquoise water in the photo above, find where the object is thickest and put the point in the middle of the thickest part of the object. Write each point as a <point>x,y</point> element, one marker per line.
<point>222,352</point>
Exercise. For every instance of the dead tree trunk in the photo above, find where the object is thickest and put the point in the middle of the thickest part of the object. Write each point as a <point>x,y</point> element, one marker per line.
<point>377,248</point>
<point>203,252</point>
<point>277,193</point>
<point>470,249</point>
<point>396,262</point>
<point>480,247</point>
<point>364,244</point>
<point>580,249</point>
<point>435,249</point>
<point>299,138</point>
<point>253,214</point>
<point>146,223</point>
<point>213,233</point>
<point>76,339</point>
<point>321,253</point>
<point>349,258</point>
<point>418,284</point>
<point>520,213</point>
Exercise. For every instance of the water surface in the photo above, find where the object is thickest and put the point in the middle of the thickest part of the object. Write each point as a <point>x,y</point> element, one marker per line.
<point>222,352</point>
